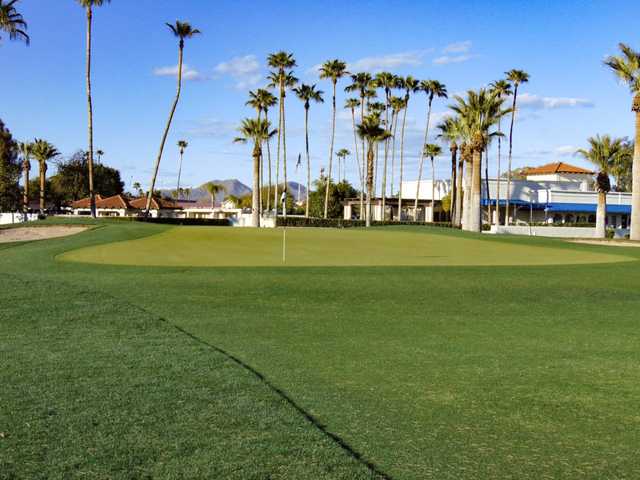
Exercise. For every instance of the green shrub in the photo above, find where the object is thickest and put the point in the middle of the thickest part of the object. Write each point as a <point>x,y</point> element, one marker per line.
<point>342,223</point>
<point>211,222</point>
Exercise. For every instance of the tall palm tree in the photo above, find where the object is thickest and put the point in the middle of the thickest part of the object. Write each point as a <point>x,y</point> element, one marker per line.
<point>432,150</point>
<point>332,70</point>
<point>397,105</point>
<point>282,79</point>
<point>410,85</point>
<point>88,5</point>
<point>361,84</point>
<point>480,112</point>
<point>182,146</point>
<point>213,189</point>
<point>257,131</point>
<point>99,154</point>
<point>262,100</point>
<point>626,66</point>
<point>352,104</point>
<point>516,78</point>
<point>371,131</point>
<point>26,151</point>
<point>43,152</point>
<point>183,31</point>
<point>433,89</point>
<point>138,188</point>
<point>450,131</point>
<point>502,89</point>
<point>386,81</point>
<point>308,93</point>
<point>604,152</point>
<point>12,22</point>
<point>342,154</point>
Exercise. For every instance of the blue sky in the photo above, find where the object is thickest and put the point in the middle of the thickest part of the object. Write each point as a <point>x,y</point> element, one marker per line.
<point>464,44</point>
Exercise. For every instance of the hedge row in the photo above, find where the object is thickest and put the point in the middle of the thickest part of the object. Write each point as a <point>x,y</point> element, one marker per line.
<point>342,223</point>
<point>211,222</point>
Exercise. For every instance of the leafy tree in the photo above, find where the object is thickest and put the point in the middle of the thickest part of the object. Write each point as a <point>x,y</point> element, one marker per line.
<point>182,31</point>
<point>9,170</point>
<point>338,193</point>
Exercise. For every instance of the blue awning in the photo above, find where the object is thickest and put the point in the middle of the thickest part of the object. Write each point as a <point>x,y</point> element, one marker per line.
<point>587,208</point>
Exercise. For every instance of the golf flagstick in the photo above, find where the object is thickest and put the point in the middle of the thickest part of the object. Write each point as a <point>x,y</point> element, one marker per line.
<point>283,199</point>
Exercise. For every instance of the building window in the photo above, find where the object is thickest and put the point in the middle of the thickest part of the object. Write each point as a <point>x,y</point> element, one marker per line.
<point>592,219</point>
<point>569,218</point>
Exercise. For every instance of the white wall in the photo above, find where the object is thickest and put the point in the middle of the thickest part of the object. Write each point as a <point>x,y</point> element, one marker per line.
<point>559,232</point>
<point>10,218</point>
<point>409,189</point>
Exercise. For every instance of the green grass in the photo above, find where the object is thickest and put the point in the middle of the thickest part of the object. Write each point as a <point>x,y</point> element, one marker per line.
<point>462,371</point>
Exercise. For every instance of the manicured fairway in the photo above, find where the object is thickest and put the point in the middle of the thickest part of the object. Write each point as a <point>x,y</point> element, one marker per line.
<point>202,247</point>
<point>457,371</point>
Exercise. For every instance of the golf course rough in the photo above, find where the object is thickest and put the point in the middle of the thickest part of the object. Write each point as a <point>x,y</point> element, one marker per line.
<point>308,247</point>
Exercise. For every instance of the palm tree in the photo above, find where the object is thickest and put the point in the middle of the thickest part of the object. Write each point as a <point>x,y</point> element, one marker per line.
<point>182,145</point>
<point>623,167</point>
<point>282,79</point>
<point>410,85</point>
<point>333,70</point>
<point>480,112</point>
<point>99,154</point>
<point>307,93</point>
<point>361,83</point>
<point>342,154</point>
<point>516,78</point>
<point>450,132</point>
<point>26,151</point>
<point>138,188</point>
<point>604,153</point>
<point>262,100</point>
<point>12,22</point>
<point>386,81</point>
<point>502,89</point>
<point>626,66</point>
<point>213,189</point>
<point>181,30</point>
<point>43,152</point>
<point>258,132</point>
<point>88,6</point>
<point>432,150</point>
<point>432,88</point>
<point>397,105</point>
<point>352,104</point>
<point>371,131</point>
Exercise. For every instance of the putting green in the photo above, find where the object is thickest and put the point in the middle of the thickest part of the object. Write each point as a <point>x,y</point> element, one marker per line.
<point>227,247</point>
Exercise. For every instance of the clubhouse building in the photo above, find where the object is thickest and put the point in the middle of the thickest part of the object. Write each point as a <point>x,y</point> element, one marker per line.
<point>555,194</point>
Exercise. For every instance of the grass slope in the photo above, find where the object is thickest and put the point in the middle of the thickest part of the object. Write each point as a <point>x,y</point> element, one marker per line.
<point>441,372</point>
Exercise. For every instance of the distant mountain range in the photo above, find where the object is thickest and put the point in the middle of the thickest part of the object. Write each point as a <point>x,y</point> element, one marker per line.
<point>238,189</point>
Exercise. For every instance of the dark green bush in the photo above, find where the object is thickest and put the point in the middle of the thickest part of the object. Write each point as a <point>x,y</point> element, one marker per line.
<point>211,222</point>
<point>341,223</point>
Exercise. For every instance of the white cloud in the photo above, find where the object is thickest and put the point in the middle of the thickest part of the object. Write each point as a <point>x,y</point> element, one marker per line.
<point>458,47</point>
<point>537,102</point>
<point>566,150</point>
<point>213,128</point>
<point>244,70</point>
<point>448,59</point>
<point>188,73</point>
<point>387,62</point>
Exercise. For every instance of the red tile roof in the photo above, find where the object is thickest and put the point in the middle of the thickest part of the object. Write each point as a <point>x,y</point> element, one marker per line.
<point>122,202</point>
<point>84,202</point>
<point>115,202</point>
<point>156,203</point>
<point>558,167</point>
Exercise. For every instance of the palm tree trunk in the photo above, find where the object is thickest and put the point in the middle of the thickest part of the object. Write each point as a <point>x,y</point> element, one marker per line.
<point>459,192</point>
<point>92,197</point>
<point>333,134</point>
<point>513,117</point>
<point>466,207</point>
<point>261,176</point>
<point>166,130</point>
<point>25,197</point>
<point>385,162</point>
<point>370,160</point>
<point>43,176</point>
<point>635,195</point>
<point>486,181</point>
<point>426,137</point>
<point>415,206</point>
<point>275,192</point>
<point>497,211</point>
<point>179,174</point>
<point>255,195</point>
<point>266,117</point>
<point>284,147</point>
<point>394,123</point>
<point>475,212</point>
<point>433,191</point>
<point>404,122</point>
<point>306,144</point>
<point>601,215</point>
<point>364,153</point>
<point>454,190</point>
